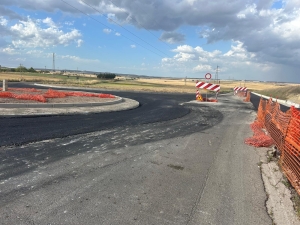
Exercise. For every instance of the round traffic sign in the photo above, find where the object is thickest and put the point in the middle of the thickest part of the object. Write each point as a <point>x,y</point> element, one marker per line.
<point>208,76</point>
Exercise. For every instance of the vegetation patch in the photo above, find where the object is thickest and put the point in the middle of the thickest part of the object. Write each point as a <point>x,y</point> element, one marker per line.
<point>285,92</point>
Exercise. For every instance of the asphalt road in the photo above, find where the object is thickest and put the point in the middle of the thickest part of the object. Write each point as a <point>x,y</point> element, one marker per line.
<point>166,162</point>
<point>153,108</point>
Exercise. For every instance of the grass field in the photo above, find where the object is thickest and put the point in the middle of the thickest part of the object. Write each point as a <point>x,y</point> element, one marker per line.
<point>281,91</point>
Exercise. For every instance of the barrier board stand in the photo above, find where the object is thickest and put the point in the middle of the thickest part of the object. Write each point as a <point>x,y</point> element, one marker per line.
<point>208,86</point>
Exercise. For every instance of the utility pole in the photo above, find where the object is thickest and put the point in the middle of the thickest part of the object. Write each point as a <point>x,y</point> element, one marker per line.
<point>53,63</point>
<point>217,75</point>
<point>21,71</point>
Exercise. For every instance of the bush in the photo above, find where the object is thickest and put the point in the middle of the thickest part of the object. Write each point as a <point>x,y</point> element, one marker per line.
<point>108,76</point>
<point>21,69</point>
<point>31,70</point>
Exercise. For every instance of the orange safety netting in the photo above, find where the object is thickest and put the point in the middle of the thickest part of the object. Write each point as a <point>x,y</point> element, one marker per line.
<point>260,138</point>
<point>49,94</point>
<point>22,89</point>
<point>39,98</point>
<point>209,100</point>
<point>284,129</point>
<point>62,94</point>
<point>290,157</point>
<point>241,93</point>
<point>247,99</point>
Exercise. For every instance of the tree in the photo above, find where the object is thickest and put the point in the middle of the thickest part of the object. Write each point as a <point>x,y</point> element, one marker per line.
<point>21,69</point>
<point>31,70</point>
<point>108,76</point>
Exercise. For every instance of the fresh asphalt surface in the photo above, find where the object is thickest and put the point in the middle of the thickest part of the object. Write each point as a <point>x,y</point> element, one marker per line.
<point>166,162</point>
<point>153,108</point>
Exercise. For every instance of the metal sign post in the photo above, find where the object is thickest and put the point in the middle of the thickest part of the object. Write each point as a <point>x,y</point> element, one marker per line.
<point>207,77</point>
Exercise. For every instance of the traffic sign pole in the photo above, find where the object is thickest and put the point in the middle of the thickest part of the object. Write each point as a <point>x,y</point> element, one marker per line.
<point>207,77</point>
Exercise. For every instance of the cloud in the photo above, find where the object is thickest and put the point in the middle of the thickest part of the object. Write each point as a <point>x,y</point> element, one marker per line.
<point>69,23</point>
<point>30,33</point>
<point>78,59</point>
<point>132,46</point>
<point>9,13</point>
<point>117,34</point>
<point>79,42</point>
<point>4,30</point>
<point>172,37</point>
<point>107,31</point>
<point>262,33</point>
<point>196,59</point>
<point>9,50</point>
<point>3,21</point>
<point>203,68</point>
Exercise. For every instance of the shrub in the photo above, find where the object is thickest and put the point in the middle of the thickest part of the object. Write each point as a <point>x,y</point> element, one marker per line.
<point>109,76</point>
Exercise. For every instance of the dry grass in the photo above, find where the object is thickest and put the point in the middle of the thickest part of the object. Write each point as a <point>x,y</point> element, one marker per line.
<point>291,92</point>
<point>26,77</point>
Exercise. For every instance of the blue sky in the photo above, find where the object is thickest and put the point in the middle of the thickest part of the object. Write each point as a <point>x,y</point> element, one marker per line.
<point>253,39</point>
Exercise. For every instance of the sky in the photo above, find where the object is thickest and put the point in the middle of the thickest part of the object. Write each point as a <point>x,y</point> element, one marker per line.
<point>245,39</point>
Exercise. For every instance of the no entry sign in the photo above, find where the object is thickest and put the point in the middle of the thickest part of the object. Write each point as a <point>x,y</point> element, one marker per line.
<point>208,76</point>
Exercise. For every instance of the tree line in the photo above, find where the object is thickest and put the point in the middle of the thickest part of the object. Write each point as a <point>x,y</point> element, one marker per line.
<point>19,69</point>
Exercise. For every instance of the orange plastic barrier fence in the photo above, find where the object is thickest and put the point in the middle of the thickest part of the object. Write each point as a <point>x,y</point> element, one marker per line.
<point>23,89</point>
<point>247,99</point>
<point>39,98</point>
<point>62,94</point>
<point>260,138</point>
<point>209,100</point>
<point>240,93</point>
<point>284,130</point>
<point>290,156</point>
<point>49,94</point>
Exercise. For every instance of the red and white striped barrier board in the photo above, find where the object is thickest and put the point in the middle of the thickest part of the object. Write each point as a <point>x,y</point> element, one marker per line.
<point>208,86</point>
<point>240,89</point>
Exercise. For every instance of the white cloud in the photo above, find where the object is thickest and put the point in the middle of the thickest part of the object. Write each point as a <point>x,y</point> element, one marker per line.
<point>203,68</point>
<point>107,31</point>
<point>78,59</point>
<point>262,35</point>
<point>117,34</point>
<point>79,42</point>
<point>30,34</point>
<point>69,23</point>
<point>49,22</point>
<point>132,46</point>
<point>3,21</point>
<point>10,51</point>
<point>196,59</point>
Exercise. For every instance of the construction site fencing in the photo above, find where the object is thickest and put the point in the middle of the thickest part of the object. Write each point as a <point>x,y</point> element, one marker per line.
<point>282,129</point>
<point>242,94</point>
<point>49,94</point>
